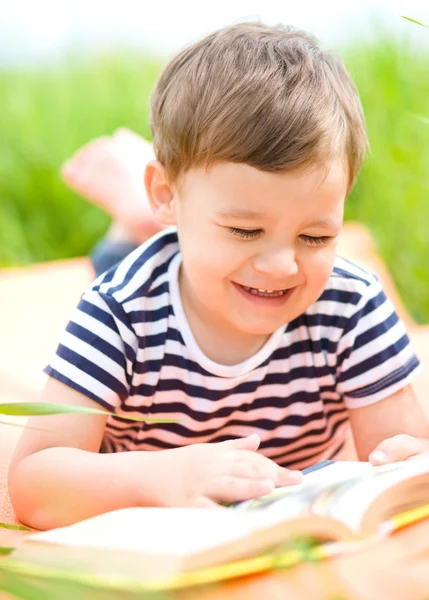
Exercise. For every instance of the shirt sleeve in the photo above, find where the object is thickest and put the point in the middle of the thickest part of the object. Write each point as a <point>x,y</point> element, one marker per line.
<point>97,351</point>
<point>375,356</point>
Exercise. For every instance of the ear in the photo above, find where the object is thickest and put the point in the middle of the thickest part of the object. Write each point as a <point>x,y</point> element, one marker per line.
<point>160,193</point>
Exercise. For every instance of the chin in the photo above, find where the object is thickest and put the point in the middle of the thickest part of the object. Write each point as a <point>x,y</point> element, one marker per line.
<point>260,328</point>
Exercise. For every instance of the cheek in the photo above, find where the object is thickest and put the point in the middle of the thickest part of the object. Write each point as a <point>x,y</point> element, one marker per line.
<point>319,268</point>
<point>210,256</point>
<point>207,267</point>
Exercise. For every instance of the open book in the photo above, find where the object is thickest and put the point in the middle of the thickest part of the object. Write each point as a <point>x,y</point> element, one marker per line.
<point>163,547</point>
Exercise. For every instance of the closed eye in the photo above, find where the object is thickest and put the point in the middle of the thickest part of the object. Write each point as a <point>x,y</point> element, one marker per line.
<point>317,240</point>
<point>247,234</point>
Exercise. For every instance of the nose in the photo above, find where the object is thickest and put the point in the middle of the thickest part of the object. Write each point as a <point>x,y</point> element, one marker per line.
<point>278,263</point>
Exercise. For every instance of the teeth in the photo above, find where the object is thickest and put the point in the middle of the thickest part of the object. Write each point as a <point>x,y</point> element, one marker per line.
<point>262,292</point>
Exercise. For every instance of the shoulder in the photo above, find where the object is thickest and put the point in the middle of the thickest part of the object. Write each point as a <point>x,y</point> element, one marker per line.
<point>350,292</point>
<point>141,272</point>
<point>350,284</point>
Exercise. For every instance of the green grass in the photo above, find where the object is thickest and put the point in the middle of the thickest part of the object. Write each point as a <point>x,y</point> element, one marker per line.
<point>48,113</point>
<point>391,196</point>
<point>45,116</point>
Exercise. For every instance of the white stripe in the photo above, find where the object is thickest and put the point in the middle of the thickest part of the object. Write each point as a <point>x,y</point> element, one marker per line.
<point>125,334</point>
<point>377,373</point>
<point>86,381</point>
<point>102,360</point>
<point>219,378</point>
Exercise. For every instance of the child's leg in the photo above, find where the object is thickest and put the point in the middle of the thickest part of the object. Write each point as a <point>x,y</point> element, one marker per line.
<point>109,172</point>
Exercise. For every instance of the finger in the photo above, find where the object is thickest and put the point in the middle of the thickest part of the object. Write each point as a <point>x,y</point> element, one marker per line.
<point>397,448</point>
<point>204,502</point>
<point>251,442</point>
<point>236,489</point>
<point>288,477</point>
<point>251,465</point>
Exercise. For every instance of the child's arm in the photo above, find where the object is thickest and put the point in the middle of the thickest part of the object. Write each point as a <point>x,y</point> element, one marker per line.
<point>58,477</point>
<point>395,426</point>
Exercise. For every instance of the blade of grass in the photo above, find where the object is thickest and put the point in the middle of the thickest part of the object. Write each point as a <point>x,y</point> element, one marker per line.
<point>24,589</point>
<point>414,21</point>
<point>36,409</point>
<point>25,426</point>
<point>65,586</point>
<point>14,527</point>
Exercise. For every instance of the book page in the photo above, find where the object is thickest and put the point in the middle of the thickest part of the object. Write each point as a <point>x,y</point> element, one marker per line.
<point>349,503</point>
<point>342,490</point>
<point>295,500</point>
<point>172,531</point>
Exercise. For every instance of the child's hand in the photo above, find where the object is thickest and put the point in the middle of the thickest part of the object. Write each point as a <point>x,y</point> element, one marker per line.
<point>397,448</point>
<point>226,471</point>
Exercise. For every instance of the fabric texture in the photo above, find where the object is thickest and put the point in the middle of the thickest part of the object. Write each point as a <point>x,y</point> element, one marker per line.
<point>128,346</point>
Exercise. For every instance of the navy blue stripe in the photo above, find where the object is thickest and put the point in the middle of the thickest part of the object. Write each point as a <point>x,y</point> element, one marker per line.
<point>321,346</point>
<point>75,386</point>
<point>98,314</point>
<point>93,370</point>
<point>97,342</point>
<point>391,379</point>
<point>368,336</point>
<point>372,304</point>
<point>106,277</point>
<point>322,433</point>
<point>179,429</point>
<point>158,339</point>
<point>267,403</point>
<point>117,310</point>
<point>162,288</point>
<point>107,319</point>
<point>318,320</point>
<point>340,296</point>
<point>196,391</point>
<point>262,424</point>
<point>150,316</point>
<point>143,290</point>
<point>313,448</point>
<point>153,443</point>
<point>367,278</point>
<point>280,459</point>
<point>371,334</point>
<point>149,252</point>
<point>375,360</point>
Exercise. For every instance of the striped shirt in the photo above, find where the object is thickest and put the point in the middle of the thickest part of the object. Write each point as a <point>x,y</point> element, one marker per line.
<point>129,347</point>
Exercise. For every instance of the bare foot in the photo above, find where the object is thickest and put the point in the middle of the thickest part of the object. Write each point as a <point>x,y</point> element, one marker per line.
<point>109,171</point>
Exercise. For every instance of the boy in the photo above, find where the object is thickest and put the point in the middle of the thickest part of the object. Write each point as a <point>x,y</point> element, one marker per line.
<point>253,337</point>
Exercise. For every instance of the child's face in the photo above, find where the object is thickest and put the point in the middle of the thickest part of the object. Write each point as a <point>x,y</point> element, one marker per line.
<point>243,230</point>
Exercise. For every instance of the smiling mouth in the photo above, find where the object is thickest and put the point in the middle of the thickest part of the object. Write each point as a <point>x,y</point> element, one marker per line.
<point>264,293</point>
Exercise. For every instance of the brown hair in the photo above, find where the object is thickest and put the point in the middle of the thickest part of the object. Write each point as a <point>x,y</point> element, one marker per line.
<point>265,96</point>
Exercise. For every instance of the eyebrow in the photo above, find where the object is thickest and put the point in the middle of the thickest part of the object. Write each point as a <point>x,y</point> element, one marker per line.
<point>247,215</point>
<point>325,223</point>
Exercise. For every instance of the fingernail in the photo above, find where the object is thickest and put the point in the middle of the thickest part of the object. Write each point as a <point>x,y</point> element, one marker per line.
<point>378,458</point>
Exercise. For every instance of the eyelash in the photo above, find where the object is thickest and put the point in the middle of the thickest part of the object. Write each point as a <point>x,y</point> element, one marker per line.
<point>316,240</point>
<point>246,234</point>
<point>249,234</point>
